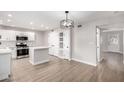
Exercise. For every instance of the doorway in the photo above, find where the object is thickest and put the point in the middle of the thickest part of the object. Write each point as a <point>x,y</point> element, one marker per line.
<point>108,41</point>
<point>110,64</point>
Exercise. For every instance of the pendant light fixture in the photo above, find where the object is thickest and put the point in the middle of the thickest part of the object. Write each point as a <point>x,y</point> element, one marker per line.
<point>66,23</point>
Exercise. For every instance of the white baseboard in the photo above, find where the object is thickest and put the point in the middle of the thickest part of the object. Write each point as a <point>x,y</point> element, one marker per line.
<point>98,61</point>
<point>40,62</point>
<point>4,76</point>
<point>89,63</point>
<point>113,51</point>
<point>101,59</point>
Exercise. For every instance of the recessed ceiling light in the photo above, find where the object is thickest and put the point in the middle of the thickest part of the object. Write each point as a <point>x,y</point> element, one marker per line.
<point>9,15</point>
<point>31,23</point>
<point>8,20</point>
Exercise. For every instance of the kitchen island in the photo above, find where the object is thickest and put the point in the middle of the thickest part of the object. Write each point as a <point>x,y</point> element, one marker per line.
<point>38,55</point>
<point>5,63</point>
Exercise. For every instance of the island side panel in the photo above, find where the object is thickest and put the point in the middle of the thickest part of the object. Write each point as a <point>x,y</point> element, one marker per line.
<point>39,55</point>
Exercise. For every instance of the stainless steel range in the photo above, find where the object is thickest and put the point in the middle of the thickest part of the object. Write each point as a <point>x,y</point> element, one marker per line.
<point>22,48</point>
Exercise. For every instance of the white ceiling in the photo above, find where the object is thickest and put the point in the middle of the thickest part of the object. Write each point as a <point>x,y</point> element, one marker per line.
<point>45,20</point>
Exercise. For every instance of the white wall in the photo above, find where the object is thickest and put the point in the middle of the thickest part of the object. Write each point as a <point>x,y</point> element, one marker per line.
<point>84,39</point>
<point>45,38</point>
<point>38,39</point>
<point>84,45</point>
<point>41,38</point>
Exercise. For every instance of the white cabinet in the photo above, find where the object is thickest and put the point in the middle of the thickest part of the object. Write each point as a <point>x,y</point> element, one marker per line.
<point>38,55</point>
<point>13,52</point>
<point>11,36</point>
<point>5,63</point>
<point>31,36</point>
<point>67,44</point>
<point>21,33</point>
<point>53,43</point>
<point>60,44</point>
<point>7,35</point>
<point>3,35</point>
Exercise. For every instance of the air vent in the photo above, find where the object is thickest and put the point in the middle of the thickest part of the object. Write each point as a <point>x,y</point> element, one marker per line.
<point>52,30</point>
<point>79,26</point>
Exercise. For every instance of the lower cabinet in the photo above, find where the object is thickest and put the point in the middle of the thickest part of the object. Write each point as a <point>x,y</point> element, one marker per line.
<point>14,53</point>
<point>5,65</point>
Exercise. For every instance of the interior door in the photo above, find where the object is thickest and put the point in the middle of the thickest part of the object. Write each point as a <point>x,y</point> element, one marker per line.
<point>67,47</point>
<point>53,43</point>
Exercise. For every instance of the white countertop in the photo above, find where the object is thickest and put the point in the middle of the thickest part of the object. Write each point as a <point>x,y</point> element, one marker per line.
<point>39,47</point>
<point>5,51</point>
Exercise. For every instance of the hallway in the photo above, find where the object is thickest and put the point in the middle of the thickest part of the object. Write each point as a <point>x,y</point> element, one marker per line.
<point>111,69</point>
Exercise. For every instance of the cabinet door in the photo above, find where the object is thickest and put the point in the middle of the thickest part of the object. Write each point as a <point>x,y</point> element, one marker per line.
<point>53,43</point>
<point>5,61</point>
<point>11,35</point>
<point>4,35</point>
<point>13,49</point>
<point>7,35</point>
<point>31,36</point>
<point>1,35</point>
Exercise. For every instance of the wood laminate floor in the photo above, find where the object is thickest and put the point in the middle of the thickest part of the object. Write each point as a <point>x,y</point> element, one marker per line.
<point>59,70</point>
<point>111,69</point>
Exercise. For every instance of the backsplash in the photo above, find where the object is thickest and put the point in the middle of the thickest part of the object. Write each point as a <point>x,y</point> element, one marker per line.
<point>13,43</point>
<point>5,44</point>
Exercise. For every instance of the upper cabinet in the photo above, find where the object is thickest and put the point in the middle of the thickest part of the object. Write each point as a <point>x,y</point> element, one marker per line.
<point>2,35</point>
<point>31,36</point>
<point>6,35</point>
<point>20,33</point>
<point>9,35</point>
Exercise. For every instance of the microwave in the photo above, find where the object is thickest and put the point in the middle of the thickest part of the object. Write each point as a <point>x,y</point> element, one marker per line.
<point>21,38</point>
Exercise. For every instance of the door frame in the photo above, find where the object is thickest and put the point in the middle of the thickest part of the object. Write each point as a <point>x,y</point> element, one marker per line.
<point>98,59</point>
<point>101,58</point>
<point>69,45</point>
